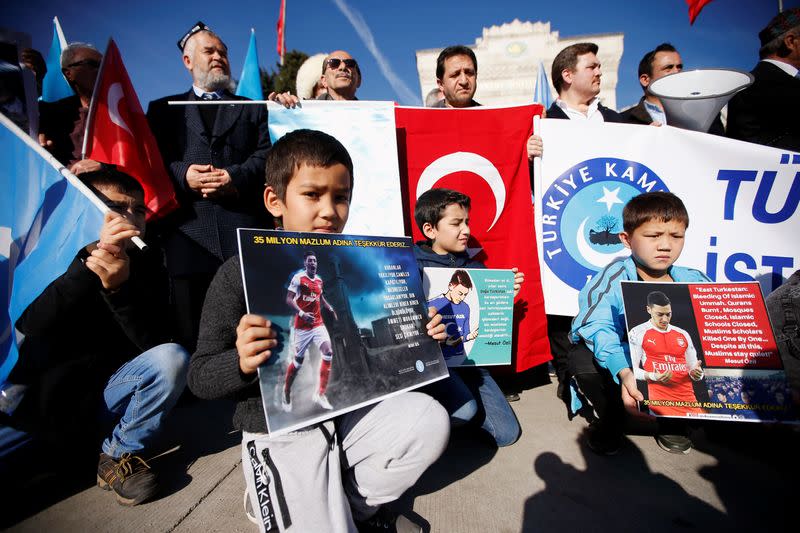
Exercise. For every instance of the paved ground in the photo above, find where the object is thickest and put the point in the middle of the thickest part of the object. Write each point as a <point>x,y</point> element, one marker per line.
<point>742,478</point>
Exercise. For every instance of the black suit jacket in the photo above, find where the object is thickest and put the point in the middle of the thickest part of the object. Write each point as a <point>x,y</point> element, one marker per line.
<point>202,233</point>
<point>767,112</point>
<point>57,121</point>
<point>609,115</point>
<point>638,115</point>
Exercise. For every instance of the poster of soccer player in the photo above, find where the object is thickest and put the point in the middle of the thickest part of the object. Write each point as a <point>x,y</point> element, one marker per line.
<point>477,307</point>
<point>350,315</point>
<point>705,350</point>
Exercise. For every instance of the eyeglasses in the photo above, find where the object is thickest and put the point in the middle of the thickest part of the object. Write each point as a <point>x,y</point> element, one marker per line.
<point>85,63</point>
<point>334,62</point>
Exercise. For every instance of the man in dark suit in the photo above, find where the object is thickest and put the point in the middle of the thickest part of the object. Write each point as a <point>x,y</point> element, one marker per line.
<point>576,76</point>
<point>663,60</point>
<point>215,154</point>
<point>767,111</point>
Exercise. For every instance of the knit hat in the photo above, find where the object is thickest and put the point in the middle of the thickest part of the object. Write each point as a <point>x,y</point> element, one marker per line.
<point>779,25</point>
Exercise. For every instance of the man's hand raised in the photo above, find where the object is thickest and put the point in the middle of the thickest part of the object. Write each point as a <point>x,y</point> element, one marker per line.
<point>107,258</point>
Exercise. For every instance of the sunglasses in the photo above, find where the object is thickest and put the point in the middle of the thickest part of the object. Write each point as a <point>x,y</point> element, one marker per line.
<point>334,63</point>
<point>85,63</point>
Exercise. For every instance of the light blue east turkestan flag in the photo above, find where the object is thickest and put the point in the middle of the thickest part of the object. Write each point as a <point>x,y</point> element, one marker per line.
<point>54,85</point>
<point>250,80</point>
<point>44,222</point>
<point>542,94</point>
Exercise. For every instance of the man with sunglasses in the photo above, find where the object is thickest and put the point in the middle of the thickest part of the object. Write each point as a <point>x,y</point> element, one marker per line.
<point>340,79</point>
<point>62,123</point>
<point>341,76</point>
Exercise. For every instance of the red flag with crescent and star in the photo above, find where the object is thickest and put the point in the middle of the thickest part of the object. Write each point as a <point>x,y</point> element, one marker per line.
<point>117,133</point>
<point>481,152</point>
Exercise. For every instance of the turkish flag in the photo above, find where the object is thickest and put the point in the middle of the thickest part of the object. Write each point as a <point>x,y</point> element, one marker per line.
<point>481,152</point>
<point>117,133</point>
<point>695,6</point>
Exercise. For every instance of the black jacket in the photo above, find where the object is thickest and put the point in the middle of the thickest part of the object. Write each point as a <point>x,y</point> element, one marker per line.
<point>77,335</point>
<point>767,112</point>
<point>426,257</point>
<point>638,115</point>
<point>609,115</point>
<point>201,234</point>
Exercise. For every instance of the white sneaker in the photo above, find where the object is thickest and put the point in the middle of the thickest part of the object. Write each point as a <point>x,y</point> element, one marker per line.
<point>286,402</point>
<point>322,400</point>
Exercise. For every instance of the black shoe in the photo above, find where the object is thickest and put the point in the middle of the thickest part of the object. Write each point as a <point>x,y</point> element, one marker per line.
<point>388,521</point>
<point>511,396</point>
<point>674,443</point>
<point>129,477</point>
<point>602,440</point>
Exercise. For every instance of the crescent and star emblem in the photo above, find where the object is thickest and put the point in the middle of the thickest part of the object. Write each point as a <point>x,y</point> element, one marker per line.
<point>469,162</point>
<point>115,94</point>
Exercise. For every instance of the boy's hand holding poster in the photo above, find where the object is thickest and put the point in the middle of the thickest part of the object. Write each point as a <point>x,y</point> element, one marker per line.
<point>705,350</point>
<point>350,316</point>
<point>477,307</point>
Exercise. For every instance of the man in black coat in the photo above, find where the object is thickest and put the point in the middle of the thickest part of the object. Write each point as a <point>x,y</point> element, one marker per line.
<point>214,154</point>
<point>576,76</point>
<point>767,111</point>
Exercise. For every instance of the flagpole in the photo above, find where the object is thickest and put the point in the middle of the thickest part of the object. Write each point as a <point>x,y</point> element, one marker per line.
<point>64,171</point>
<point>93,102</point>
<point>537,194</point>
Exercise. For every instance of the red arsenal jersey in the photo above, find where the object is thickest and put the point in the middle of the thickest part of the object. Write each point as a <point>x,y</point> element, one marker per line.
<point>308,292</point>
<point>655,350</point>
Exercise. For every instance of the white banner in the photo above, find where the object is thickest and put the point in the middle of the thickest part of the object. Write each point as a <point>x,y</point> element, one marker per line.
<point>367,130</point>
<point>742,200</point>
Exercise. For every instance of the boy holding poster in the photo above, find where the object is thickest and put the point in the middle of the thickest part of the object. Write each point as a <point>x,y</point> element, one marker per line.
<point>470,393</point>
<point>654,227</point>
<point>297,481</point>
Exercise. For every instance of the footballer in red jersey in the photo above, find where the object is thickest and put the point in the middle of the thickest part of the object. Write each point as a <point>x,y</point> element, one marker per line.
<point>305,298</point>
<point>664,356</point>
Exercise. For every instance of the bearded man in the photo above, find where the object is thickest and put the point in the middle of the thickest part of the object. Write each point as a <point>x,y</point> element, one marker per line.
<point>215,154</point>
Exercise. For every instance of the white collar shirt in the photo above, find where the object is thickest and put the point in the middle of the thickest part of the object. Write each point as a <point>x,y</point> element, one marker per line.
<point>786,67</point>
<point>592,113</point>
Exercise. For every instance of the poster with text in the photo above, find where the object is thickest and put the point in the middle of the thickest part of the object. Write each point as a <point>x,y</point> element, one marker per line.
<point>591,170</point>
<point>477,307</point>
<point>350,316</point>
<point>705,350</point>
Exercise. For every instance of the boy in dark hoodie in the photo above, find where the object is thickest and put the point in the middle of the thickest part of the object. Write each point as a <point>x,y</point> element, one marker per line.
<point>470,393</point>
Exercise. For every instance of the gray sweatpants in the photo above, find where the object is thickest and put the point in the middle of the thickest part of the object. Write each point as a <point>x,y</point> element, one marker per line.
<point>321,478</point>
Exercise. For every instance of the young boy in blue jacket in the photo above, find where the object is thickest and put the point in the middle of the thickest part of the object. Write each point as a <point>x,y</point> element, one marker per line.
<point>470,393</point>
<point>654,228</point>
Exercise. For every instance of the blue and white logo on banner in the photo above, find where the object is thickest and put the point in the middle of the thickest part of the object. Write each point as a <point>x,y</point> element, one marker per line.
<point>582,215</point>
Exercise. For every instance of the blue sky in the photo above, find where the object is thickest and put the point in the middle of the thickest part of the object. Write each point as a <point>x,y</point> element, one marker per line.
<point>724,35</point>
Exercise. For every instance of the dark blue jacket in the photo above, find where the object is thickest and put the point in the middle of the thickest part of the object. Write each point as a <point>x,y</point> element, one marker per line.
<point>426,257</point>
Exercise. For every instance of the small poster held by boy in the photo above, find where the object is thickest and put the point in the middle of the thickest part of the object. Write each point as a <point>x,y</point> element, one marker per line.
<point>351,321</point>
<point>705,350</point>
<point>477,307</point>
